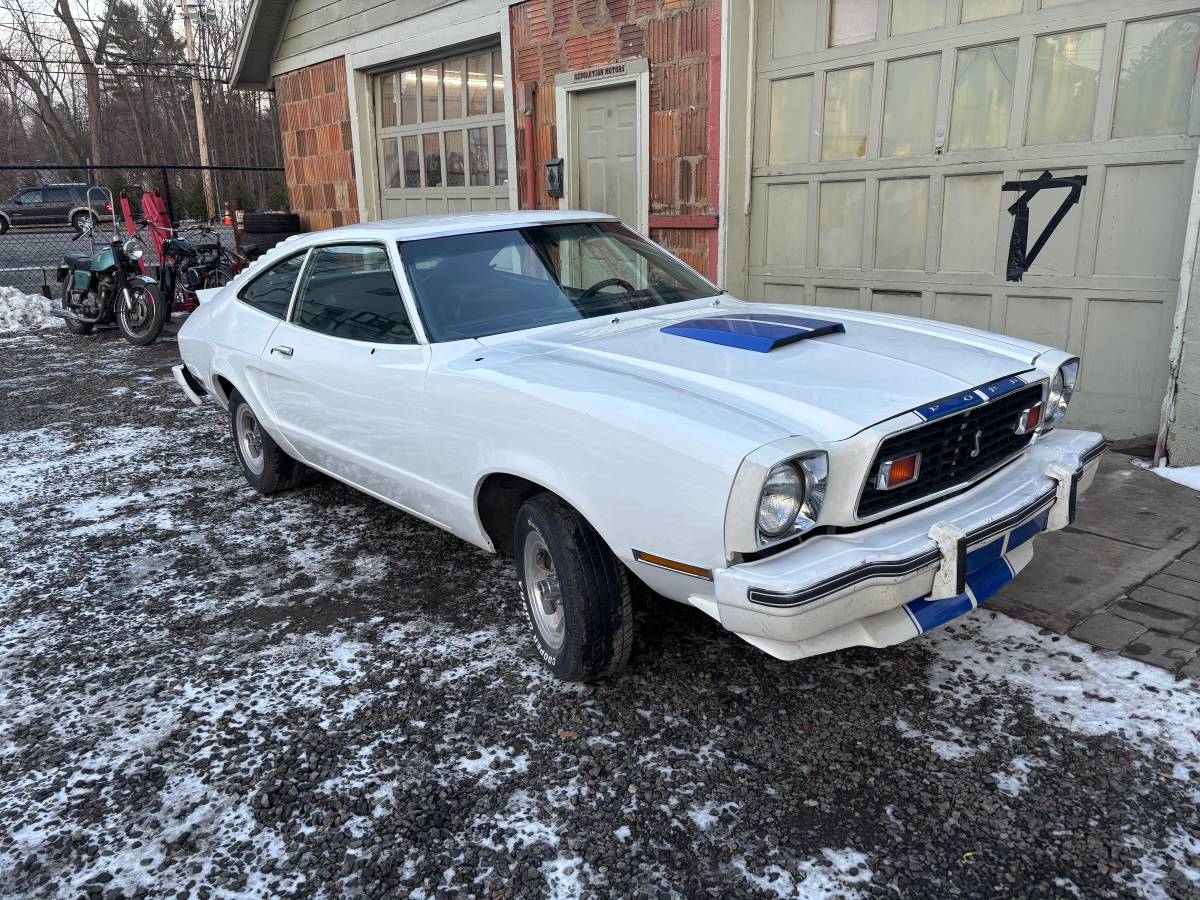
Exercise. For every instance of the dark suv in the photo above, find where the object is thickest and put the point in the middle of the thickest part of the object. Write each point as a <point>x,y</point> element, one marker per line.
<point>54,204</point>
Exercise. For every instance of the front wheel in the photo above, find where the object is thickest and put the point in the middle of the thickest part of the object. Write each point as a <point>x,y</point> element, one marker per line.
<point>577,597</point>
<point>142,317</point>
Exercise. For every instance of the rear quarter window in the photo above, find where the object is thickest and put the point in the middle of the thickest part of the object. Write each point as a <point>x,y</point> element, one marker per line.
<point>271,292</point>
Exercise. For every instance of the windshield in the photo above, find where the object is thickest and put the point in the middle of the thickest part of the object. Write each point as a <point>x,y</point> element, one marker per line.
<point>475,285</point>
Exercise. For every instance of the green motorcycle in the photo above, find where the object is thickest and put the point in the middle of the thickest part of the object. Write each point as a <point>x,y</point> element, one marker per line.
<point>107,286</point>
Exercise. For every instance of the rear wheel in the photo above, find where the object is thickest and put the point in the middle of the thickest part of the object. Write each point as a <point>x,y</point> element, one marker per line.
<point>577,597</point>
<point>142,318</point>
<point>264,464</point>
<point>4,226</point>
<point>73,325</point>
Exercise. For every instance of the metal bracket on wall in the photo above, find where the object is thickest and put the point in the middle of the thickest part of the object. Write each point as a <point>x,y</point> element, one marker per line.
<point>1019,259</point>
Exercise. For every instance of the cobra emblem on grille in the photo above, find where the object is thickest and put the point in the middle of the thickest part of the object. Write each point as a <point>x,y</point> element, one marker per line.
<point>978,438</point>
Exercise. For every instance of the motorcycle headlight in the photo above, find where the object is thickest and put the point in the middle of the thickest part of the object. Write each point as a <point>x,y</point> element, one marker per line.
<point>134,248</point>
<point>791,497</point>
<point>1062,388</point>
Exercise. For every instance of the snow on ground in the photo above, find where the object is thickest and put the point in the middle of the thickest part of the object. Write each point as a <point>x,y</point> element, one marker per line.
<point>19,311</point>
<point>1188,476</point>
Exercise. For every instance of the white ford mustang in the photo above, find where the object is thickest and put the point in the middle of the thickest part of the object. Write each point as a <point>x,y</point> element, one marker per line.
<point>554,386</point>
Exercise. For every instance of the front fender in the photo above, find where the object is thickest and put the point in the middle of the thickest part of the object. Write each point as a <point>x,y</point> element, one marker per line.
<point>143,279</point>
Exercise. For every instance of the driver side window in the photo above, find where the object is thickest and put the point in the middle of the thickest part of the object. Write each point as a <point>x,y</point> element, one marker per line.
<point>349,291</point>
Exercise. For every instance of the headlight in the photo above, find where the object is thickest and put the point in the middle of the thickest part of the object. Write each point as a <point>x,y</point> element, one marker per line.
<point>780,502</point>
<point>792,496</point>
<point>1062,387</point>
<point>134,248</point>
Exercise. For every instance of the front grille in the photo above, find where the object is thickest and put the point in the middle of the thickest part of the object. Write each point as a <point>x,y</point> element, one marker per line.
<point>946,447</point>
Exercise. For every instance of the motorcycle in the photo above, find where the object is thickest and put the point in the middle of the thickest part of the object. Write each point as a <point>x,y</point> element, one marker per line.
<point>106,285</point>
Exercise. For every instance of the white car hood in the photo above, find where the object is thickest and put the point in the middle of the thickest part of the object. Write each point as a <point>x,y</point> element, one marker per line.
<point>828,388</point>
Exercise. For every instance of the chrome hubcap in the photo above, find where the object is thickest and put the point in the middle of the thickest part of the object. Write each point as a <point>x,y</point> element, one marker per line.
<point>249,438</point>
<point>544,593</point>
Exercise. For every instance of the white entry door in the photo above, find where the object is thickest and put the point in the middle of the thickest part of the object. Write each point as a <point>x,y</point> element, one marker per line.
<point>604,139</point>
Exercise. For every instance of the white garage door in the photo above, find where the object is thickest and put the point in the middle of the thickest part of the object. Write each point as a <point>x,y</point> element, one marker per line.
<point>885,130</point>
<point>441,138</point>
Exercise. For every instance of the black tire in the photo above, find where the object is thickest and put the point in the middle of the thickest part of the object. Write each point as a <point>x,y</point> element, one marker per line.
<point>271,223</point>
<point>83,221</point>
<point>148,324</point>
<point>590,591</point>
<point>73,326</point>
<point>4,226</point>
<point>276,471</point>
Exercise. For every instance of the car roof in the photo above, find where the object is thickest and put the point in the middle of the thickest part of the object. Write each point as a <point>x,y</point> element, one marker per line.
<point>418,227</point>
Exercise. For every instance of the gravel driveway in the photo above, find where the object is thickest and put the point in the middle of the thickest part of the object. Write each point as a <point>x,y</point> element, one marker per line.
<point>208,693</point>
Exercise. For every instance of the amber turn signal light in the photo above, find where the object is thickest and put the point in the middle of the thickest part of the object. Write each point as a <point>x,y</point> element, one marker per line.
<point>898,472</point>
<point>1029,419</point>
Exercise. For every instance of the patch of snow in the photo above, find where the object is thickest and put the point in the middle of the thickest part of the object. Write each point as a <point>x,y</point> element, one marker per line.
<point>709,814</point>
<point>1014,778</point>
<point>623,833</point>
<point>1181,853</point>
<point>949,750</point>
<point>562,877</point>
<point>20,311</point>
<point>1068,684</point>
<point>1188,476</point>
<point>834,874</point>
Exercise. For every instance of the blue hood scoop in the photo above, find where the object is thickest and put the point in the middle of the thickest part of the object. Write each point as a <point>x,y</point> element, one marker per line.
<point>750,331</point>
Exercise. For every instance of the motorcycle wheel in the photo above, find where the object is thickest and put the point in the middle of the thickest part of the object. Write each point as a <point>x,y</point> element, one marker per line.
<point>73,326</point>
<point>141,323</point>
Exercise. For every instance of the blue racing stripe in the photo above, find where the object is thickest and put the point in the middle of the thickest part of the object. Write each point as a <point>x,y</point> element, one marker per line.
<point>1002,387</point>
<point>985,555</point>
<point>947,406</point>
<point>981,586</point>
<point>748,331</point>
<point>1019,536</point>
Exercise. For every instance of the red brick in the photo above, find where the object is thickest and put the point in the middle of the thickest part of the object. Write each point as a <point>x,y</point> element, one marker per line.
<point>588,12</point>
<point>603,47</point>
<point>576,49</point>
<point>562,11</point>
<point>645,8</point>
<point>631,42</point>
<point>529,64</point>
<point>618,10</point>
<point>539,24</point>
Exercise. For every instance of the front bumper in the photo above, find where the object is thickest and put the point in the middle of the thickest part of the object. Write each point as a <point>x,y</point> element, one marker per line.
<point>889,582</point>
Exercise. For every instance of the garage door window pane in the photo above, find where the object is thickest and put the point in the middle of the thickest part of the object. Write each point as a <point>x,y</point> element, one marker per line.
<point>387,100</point>
<point>917,15</point>
<point>477,85</point>
<point>391,163</point>
<point>974,10</point>
<point>1158,68</point>
<point>497,82</point>
<point>501,144</point>
<point>983,90</point>
<point>900,226</point>
<point>847,113</point>
<point>791,120</point>
<point>480,168</point>
<point>452,93</point>
<point>412,161</point>
<point>909,106</point>
<point>1066,72</point>
<point>851,22</point>
<point>456,163</point>
<point>429,94</point>
<point>408,97</point>
<point>433,160</point>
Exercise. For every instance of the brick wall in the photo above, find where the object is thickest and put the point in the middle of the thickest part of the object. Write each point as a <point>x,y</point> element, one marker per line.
<point>681,39</point>
<point>314,120</point>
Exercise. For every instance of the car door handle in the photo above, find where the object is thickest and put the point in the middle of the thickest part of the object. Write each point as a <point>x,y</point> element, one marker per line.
<point>283,351</point>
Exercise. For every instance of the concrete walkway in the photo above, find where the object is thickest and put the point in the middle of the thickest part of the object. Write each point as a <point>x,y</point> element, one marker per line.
<point>1126,575</point>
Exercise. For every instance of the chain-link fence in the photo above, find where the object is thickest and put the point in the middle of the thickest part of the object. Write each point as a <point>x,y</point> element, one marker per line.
<point>47,211</point>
